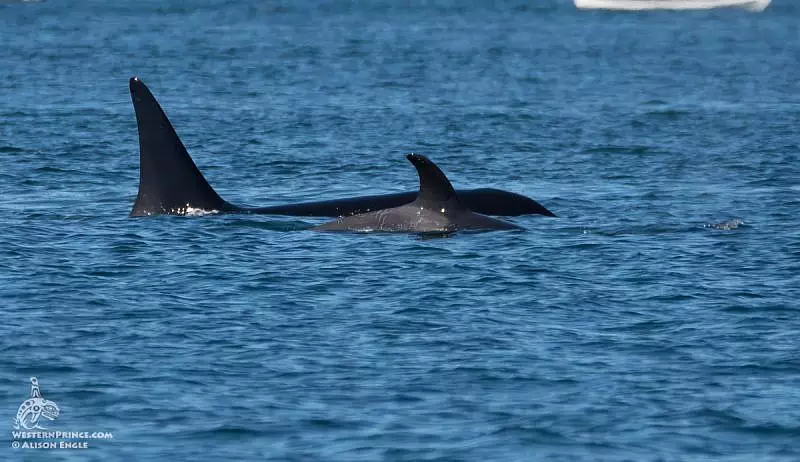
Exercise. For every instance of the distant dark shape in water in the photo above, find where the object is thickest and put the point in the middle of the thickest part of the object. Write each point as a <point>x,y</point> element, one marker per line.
<point>171,184</point>
<point>727,225</point>
<point>437,209</point>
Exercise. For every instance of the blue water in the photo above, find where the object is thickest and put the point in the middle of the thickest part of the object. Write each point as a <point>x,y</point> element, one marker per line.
<point>655,320</point>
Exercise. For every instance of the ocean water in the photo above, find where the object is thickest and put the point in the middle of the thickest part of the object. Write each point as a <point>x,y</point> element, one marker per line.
<point>655,320</point>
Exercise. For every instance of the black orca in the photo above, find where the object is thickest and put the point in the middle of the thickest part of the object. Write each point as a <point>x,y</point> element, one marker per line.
<point>171,184</point>
<point>437,209</point>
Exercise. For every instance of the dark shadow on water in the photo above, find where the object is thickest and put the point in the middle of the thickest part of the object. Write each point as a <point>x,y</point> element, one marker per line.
<point>434,235</point>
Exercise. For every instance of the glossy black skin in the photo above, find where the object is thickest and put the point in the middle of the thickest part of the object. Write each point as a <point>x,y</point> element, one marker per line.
<point>170,182</point>
<point>486,201</point>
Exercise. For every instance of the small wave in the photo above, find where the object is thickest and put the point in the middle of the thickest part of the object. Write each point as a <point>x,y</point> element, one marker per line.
<point>226,431</point>
<point>668,113</point>
<point>726,225</point>
<point>654,102</point>
<point>617,149</point>
<point>51,169</point>
<point>269,225</point>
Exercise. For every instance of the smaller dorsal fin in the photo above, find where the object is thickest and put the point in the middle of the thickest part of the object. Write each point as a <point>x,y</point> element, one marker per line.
<point>433,184</point>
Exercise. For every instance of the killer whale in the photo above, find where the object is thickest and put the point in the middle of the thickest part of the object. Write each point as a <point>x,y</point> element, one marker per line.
<point>437,209</point>
<point>171,184</point>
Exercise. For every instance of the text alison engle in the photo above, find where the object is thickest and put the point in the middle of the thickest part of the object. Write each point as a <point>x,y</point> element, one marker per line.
<point>29,430</point>
<point>50,445</point>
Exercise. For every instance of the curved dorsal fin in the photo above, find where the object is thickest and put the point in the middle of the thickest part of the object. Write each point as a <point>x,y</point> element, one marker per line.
<point>433,184</point>
<point>169,181</point>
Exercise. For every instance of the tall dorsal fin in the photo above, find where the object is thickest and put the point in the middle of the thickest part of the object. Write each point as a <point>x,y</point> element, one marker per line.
<point>433,184</point>
<point>169,181</point>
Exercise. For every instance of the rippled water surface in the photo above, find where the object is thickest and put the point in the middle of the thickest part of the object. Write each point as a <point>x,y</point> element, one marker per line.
<point>655,319</point>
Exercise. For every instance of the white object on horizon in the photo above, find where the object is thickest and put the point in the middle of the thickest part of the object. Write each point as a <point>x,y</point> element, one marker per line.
<point>635,5</point>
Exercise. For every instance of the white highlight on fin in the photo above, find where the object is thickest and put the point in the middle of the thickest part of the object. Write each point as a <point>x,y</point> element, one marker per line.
<point>190,211</point>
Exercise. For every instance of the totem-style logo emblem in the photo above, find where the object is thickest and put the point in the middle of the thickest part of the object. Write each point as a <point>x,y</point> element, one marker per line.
<point>33,409</point>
